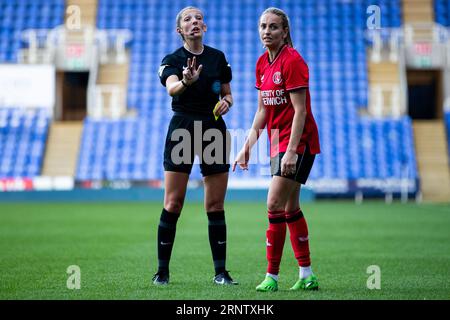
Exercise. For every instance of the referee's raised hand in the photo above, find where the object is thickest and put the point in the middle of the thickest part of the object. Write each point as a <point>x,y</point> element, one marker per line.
<point>191,72</point>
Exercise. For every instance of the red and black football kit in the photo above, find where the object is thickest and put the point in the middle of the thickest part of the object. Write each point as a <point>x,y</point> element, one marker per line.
<point>275,80</point>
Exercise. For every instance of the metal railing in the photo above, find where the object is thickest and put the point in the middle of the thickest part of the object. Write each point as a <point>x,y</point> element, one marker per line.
<point>109,102</point>
<point>43,44</point>
<point>386,101</point>
<point>386,40</point>
<point>52,46</point>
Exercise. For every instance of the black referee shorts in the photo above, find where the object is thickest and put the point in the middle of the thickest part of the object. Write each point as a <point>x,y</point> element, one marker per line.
<point>191,135</point>
<point>304,164</point>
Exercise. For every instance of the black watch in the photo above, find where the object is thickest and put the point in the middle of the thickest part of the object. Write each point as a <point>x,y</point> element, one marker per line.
<point>227,101</point>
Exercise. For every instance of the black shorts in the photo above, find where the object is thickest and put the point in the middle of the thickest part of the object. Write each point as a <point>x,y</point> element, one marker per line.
<point>189,135</point>
<point>305,162</point>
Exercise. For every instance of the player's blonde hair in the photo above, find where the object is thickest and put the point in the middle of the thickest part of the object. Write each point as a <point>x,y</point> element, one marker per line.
<point>284,20</point>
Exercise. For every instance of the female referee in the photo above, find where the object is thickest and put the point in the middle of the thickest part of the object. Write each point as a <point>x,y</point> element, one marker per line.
<point>195,76</point>
<point>284,107</point>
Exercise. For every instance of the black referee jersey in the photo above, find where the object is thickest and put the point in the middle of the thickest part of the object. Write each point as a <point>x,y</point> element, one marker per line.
<point>202,95</point>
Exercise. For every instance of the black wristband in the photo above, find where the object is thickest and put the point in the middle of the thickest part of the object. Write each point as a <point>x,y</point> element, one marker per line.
<point>229,103</point>
<point>184,84</point>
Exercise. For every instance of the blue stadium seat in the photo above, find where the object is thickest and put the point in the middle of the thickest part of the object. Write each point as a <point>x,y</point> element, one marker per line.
<point>329,34</point>
<point>23,134</point>
<point>442,12</point>
<point>16,16</point>
<point>447,125</point>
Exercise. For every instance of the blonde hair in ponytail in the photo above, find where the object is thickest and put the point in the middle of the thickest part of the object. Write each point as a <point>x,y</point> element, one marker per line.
<point>285,22</point>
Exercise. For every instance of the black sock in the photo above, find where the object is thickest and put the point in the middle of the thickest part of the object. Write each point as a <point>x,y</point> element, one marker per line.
<point>217,231</point>
<point>166,236</point>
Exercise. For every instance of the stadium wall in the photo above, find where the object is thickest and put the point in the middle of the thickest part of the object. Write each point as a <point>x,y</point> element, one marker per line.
<point>134,194</point>
<point>66,189</point>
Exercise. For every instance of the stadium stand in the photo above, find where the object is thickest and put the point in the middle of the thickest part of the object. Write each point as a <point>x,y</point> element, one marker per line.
<point>23,134</point>
<point>442,12</point>
<point>447,125</point>
<point>329,34</point>
<point>119,150</point>
<point>442,16</point>
<point>18,15</point>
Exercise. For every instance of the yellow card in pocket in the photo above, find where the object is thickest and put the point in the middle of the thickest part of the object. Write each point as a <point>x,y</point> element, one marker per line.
<point>214,111</point>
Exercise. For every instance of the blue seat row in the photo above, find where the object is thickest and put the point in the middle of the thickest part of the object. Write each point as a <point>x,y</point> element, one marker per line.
<point>329,34</point>
<point>23,135</point>
<point>18,15</point>
<point>358,148</point>
<point>330,38</point>
<point>447,125</point>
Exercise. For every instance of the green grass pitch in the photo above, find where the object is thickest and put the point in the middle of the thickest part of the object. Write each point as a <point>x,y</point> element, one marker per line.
<point>114,246</point>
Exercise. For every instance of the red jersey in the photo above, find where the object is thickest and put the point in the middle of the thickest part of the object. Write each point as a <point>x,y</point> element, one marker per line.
<point>286,73</point>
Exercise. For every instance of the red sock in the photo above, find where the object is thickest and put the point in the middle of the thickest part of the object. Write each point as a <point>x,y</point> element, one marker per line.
<point>276,235</point>
<point>299,237</point>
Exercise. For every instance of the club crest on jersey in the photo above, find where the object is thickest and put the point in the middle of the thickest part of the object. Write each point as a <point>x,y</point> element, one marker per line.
<point>277,77</point>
